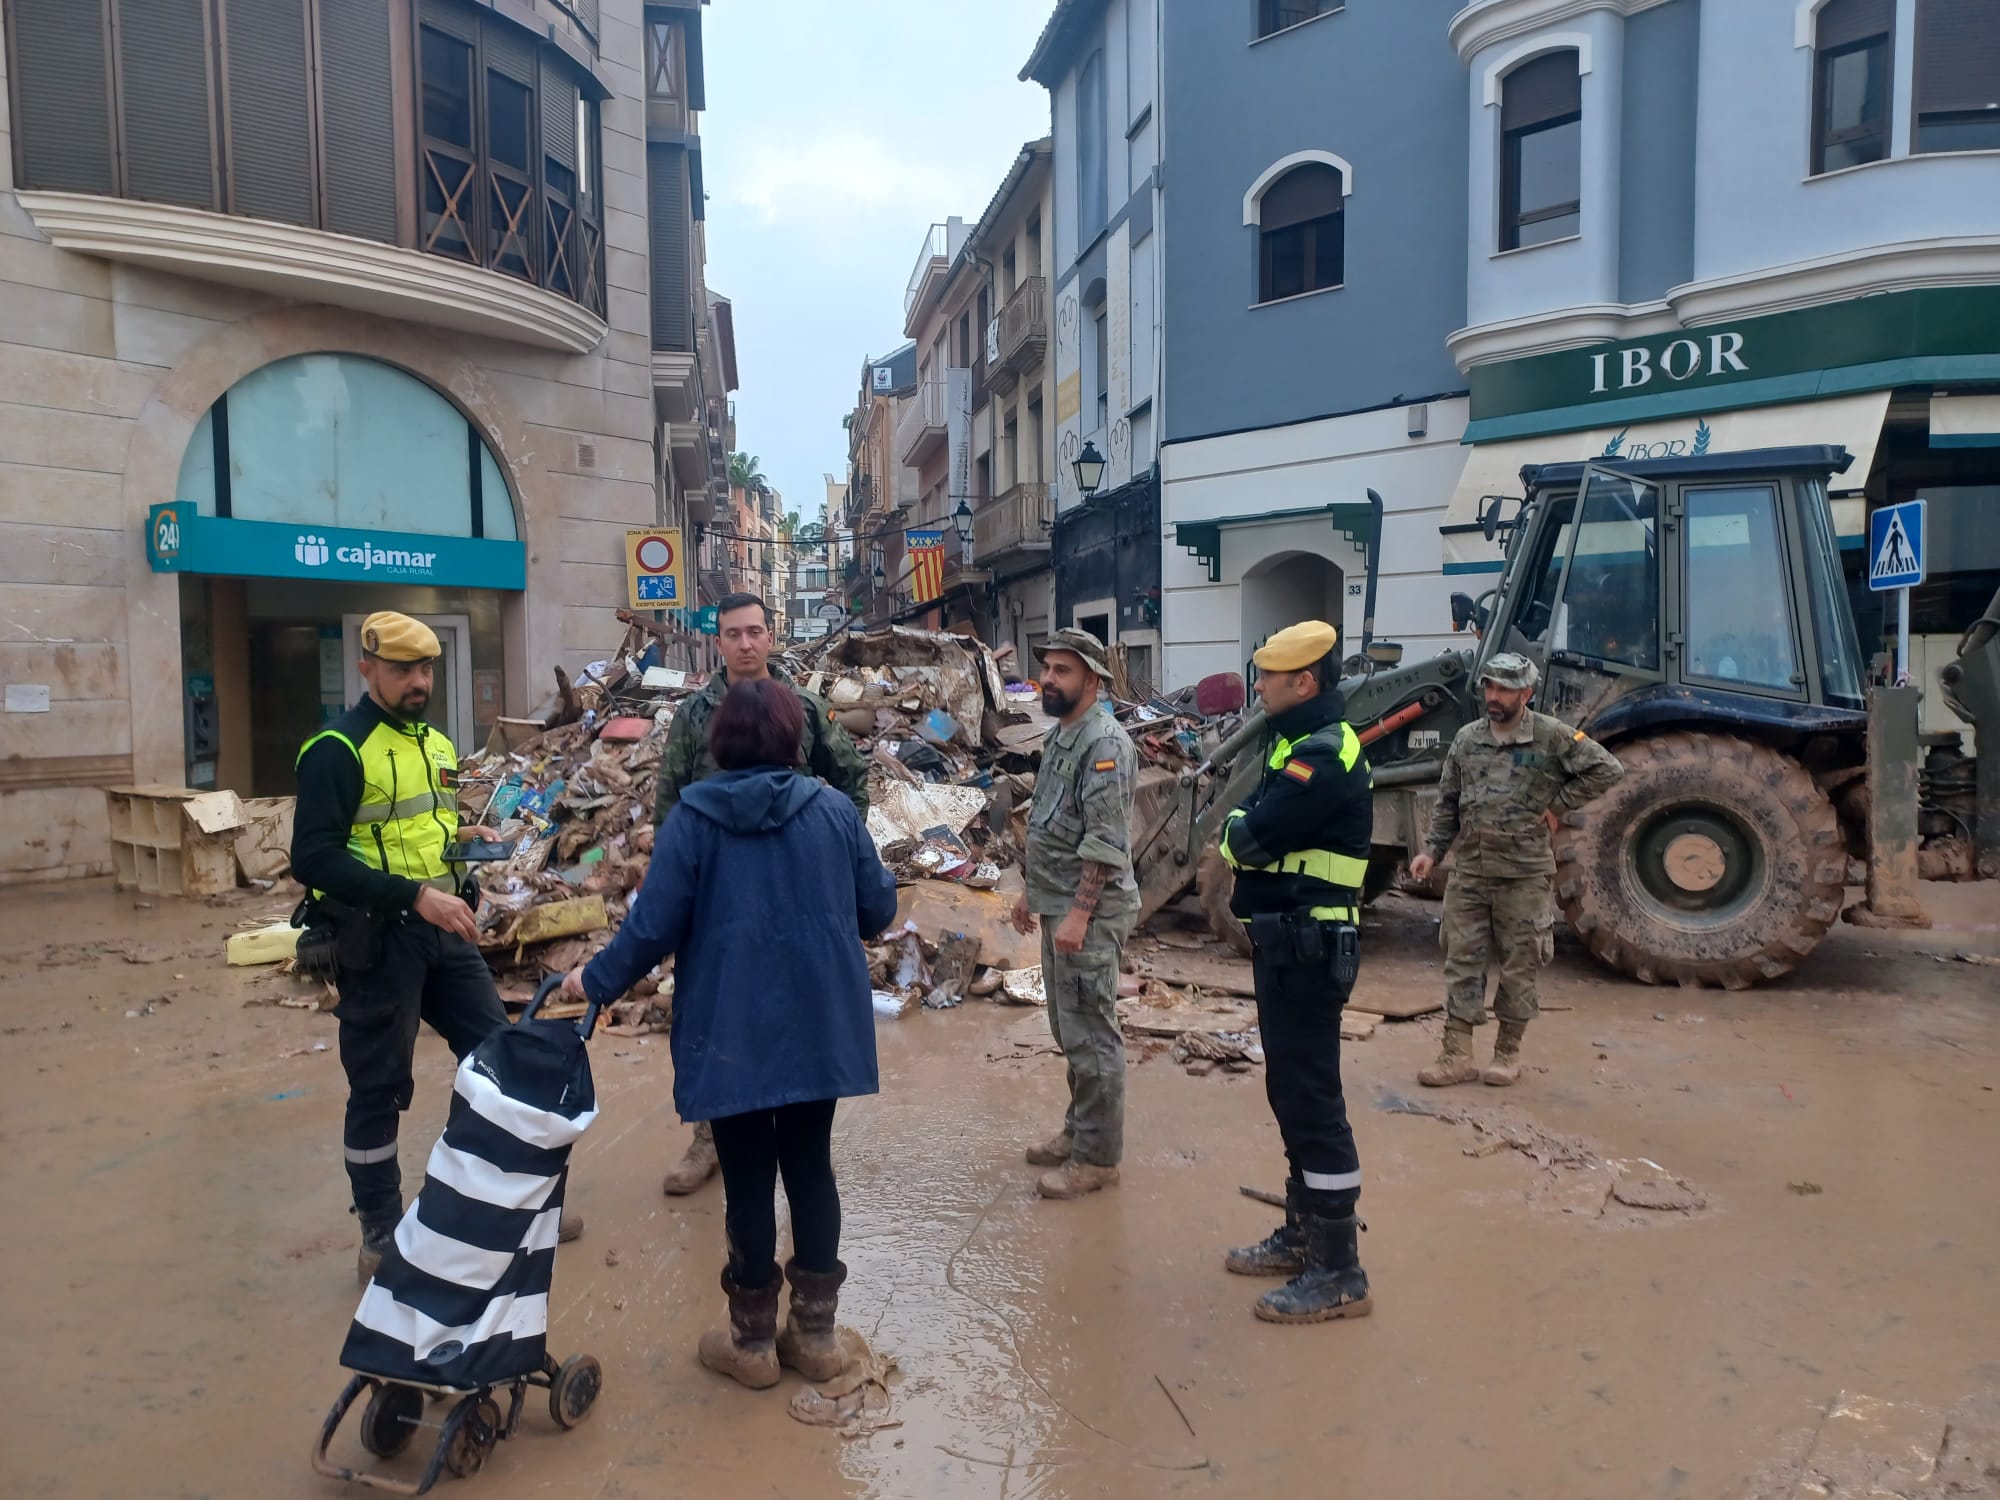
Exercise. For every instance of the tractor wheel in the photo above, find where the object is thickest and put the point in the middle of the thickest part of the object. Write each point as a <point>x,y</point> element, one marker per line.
<point>1215,883</point>
<point>1714,860</point>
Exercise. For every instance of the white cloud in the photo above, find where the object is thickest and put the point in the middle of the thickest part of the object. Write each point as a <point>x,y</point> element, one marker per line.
<point>823,181</point>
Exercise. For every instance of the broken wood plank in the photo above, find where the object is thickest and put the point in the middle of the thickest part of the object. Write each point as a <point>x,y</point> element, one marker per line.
<point>560,919</point>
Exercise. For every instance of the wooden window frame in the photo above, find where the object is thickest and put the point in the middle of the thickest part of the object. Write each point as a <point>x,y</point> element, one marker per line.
<point>1883,44</point>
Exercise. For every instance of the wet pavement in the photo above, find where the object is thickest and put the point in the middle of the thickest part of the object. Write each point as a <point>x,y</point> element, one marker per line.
<point>180,1262</point>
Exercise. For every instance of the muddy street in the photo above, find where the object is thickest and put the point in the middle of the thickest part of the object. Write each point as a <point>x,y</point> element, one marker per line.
<point>1650,1270</point>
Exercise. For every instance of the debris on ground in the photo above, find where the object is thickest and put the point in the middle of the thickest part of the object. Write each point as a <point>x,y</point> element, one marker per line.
<point>855,1402</point>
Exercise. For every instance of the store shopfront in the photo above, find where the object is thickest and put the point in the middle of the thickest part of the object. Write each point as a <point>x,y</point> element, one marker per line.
<point>1908,382</point>
<point>316,490</point>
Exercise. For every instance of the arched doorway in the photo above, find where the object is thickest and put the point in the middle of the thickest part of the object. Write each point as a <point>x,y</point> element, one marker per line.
<point>318,489</point>
<point>1282,590</point>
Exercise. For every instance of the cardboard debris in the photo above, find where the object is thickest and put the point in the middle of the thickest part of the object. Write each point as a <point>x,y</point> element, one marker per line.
<point>264,843</point>
<point>558,919</point>
<point>215,812</point>
<point>264,945</point>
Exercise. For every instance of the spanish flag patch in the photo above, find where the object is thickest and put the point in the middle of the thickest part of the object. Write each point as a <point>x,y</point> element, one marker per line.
<point>1578,735</point>
<point>1105,765</point>
<point>1298,770</point>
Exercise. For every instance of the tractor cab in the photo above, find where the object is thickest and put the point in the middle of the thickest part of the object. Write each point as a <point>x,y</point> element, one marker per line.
<point>1704,590</point>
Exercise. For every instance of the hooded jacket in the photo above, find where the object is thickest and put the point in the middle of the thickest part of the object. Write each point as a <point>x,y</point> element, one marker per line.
<point>762,885</point>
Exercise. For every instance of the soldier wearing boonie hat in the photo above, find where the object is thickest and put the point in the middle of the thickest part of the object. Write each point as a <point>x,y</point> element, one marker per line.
<point>1080,887</point>
<point>377,809</point>
<point>1507,778</point>
<point>1300,848</point>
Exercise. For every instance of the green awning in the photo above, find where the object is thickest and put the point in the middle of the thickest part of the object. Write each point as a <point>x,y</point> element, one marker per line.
<point>1202,540</point>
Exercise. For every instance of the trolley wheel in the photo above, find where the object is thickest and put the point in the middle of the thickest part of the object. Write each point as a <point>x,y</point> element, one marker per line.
<point>574,1390</point>
<point>391,1418</point>
<point>474,1430</point>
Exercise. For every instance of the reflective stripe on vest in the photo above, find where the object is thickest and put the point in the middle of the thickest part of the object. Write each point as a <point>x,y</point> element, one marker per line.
<point>1320,864</point>
<point>405,835</point>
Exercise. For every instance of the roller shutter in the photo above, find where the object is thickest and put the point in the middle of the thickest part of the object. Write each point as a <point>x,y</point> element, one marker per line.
<point>667,203</point>
<point>169,122</point>
<point>356,114</point>
<point>270,93</point>
<point>62,95</point>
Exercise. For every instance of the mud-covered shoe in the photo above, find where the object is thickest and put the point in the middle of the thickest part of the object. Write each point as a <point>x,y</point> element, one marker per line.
<point>1074,1179</point>
<point>746,1351</point>
<point>695,1168</point>
<point>808,1343</point>
<point>1052,1152</point>
<point>378,1233</point>
<point>1456,1062</point>
<point>1332,1285</point>
<point>1282,1252</point>
<point>1505,1069</point>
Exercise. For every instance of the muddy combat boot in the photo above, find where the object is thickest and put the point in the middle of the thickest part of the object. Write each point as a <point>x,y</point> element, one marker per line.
<point>1073,1179</point>
<point>1455,1061</point>
<point>808,1343</point>
<point>696,1167</point>
<point>1332,1285</point>
<point>1282,1252</point>
<point>1052,1152</point>
<point>746,1351</point>
<point>1505,1069</point>
<point>378,1233</point>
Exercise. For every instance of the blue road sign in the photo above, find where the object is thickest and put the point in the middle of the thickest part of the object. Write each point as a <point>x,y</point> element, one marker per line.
<point>1896,546</point>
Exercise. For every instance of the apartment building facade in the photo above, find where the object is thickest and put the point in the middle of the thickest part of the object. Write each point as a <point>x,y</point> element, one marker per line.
<point>1699,226</point>
<point>1100,62</point>
<point>311,310</point>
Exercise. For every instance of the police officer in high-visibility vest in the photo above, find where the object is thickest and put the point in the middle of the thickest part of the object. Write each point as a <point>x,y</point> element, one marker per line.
<point>377,807</point>
<point>1299,846</point>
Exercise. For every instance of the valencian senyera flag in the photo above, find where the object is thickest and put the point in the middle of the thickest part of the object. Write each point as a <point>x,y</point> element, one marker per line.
<point>926,550</point>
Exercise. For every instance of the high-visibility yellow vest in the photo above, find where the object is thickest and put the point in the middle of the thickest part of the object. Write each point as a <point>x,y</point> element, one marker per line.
<point>1320,864</point>
<point>409,801</point>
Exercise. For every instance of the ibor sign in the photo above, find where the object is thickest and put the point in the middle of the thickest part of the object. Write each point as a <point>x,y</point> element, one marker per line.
<point>1634,367</point>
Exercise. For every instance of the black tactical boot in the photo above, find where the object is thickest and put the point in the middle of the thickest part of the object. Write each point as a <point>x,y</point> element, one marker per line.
<point>1332,1285</point>
<point>1282,1252</point>
<point>378,1233</point>
<point>808,1342</point>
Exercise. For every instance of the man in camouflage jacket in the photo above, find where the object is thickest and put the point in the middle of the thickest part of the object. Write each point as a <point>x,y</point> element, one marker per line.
<point>743,629</point>
<point>1507,779</point>
<point>1080,887</point>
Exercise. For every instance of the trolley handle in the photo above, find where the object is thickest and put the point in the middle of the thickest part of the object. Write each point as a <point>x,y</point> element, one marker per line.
<point>548,986</point>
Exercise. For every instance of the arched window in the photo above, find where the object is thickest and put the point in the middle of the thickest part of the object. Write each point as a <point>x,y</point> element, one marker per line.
<point>1852,82</point>
<point>1541,151</point>
<point>1301,231</point>
<point>337,440</point>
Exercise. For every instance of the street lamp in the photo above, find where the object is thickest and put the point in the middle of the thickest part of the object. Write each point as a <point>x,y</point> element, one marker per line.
<point>961,520</point>
<point>1089,468</point>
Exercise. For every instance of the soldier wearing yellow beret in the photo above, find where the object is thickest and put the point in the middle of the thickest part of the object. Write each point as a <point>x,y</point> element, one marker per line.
<point>377,808</point>
<point>1299,845</point>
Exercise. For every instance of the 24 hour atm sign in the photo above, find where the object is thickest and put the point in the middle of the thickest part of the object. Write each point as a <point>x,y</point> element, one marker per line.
<point>655,568</point>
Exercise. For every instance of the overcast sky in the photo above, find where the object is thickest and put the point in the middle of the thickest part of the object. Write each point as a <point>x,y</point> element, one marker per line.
<point>834,136</point>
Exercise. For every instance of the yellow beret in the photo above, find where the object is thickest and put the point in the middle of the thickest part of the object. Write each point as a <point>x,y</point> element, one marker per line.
<point>1297,647</point>
<point>395,637</point>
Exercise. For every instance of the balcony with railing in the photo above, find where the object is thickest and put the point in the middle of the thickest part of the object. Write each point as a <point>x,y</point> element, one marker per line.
<point>933,265</point>
<point>920,427</point>
<point>1021,334</point>
<point>1012,523</point>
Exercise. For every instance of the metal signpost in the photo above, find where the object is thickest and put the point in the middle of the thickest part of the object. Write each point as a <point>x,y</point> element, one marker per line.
<point>1896,561</point>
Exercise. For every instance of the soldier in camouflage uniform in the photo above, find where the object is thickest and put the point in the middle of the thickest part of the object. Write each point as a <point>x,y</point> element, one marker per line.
<point>1507,779</point>
<point>1080,885</point>
<point>743,628</point>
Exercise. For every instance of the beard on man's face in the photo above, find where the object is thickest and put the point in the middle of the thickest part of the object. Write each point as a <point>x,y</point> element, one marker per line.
<point>413,702</point>
<point>1055,701</point>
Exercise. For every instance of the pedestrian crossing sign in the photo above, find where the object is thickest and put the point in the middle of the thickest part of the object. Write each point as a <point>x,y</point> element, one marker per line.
<point>1896,546</point>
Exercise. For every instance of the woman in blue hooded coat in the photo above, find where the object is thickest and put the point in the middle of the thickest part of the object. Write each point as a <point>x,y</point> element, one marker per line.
<point>762,885</point>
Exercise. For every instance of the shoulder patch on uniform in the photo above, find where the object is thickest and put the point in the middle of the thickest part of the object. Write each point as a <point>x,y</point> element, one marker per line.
<point>1578,735</point>
<point>1105,765</point>
<point>1298,770</point>
<point>831,716</point>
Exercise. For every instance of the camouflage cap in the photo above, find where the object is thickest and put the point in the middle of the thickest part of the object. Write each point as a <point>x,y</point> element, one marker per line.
<point>1082,643</point>
<point>1509,669</point>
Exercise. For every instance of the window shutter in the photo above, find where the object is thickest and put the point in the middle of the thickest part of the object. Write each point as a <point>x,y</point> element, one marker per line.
<point>1536,92</point>
<point>559,102</point>
<point>1958,56</point>
<point>1306,192</point>
<point>358,146</point>
<point>62,96</point>
<point>163,73</point>
<point>1843,21</point>
<point>509,50</point>
<point>270,140</point>
<point>673,319</point>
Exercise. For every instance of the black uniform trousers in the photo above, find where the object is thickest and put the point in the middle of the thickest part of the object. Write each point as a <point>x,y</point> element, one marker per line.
<point>1298,1017</point>
<point>423,975</point>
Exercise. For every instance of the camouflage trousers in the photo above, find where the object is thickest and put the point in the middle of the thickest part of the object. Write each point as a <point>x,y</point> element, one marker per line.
<point>1495,921</point>
<point>1083,1017</point>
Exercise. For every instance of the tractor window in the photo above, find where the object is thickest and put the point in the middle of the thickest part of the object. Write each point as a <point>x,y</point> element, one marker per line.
<point>1610,607</point>
<point>1833,620</point>
<point>1544,577</point>
<point>1739,624</point>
